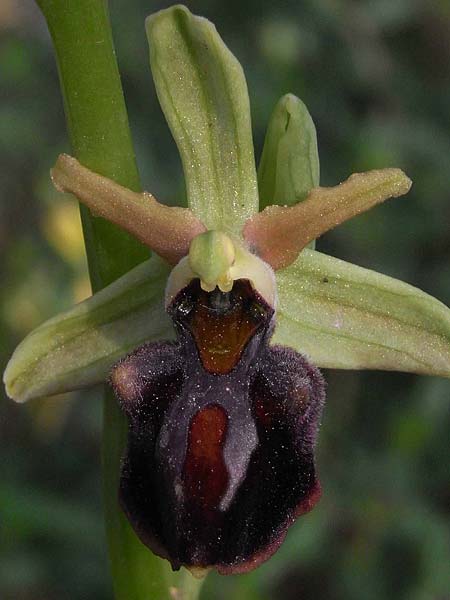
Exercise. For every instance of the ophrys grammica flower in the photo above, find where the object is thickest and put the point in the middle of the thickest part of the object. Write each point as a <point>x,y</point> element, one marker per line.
<point>222,421</point>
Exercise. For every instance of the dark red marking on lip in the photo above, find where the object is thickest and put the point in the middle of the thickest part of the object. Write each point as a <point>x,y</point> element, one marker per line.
<point>245,431</point>
<point>205,473</point>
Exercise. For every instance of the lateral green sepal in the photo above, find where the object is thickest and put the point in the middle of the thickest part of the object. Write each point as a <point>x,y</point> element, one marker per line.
<point>346,317</point>
<point>77,348</point>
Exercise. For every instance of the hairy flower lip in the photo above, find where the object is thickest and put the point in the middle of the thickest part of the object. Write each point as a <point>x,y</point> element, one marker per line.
<point>257,560</point>
<point>272,391</point>
<point>239,568</point>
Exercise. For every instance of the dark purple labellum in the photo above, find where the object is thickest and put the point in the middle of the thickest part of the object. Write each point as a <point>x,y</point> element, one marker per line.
<point>222,428</point>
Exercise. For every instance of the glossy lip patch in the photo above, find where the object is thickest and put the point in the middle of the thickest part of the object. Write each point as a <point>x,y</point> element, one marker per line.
<point>222,323</point>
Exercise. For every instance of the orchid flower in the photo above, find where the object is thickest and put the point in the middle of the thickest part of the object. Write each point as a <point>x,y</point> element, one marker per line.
<point>213,345</point>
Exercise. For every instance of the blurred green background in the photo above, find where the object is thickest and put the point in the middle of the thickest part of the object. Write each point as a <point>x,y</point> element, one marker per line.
<point>375,76</point>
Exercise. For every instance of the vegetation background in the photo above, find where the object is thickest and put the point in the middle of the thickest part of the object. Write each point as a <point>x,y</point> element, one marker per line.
<point>375,76</point>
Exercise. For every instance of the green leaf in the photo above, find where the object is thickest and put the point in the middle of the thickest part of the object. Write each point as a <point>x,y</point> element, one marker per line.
<point>77,348</point>
<point>346,317</point>
<point>289,166</point>
<point>203,93</point>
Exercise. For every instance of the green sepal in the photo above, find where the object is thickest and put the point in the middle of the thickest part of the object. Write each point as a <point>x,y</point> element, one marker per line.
<point>202,91</point>
<point>77,348</point>
<point>341,315</point>
<point>289,166</point>
<point>346,317</point>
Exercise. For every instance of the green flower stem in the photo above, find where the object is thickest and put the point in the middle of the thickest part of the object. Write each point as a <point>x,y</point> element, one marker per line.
<point>97,122</point>
<point>99,133</point>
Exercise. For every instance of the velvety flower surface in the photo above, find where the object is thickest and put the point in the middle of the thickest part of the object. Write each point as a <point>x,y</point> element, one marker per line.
<point>222,429</point>
<point>222,404</point>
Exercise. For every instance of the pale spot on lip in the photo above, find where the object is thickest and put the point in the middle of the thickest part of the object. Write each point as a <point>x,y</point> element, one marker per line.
<point>124,378</point>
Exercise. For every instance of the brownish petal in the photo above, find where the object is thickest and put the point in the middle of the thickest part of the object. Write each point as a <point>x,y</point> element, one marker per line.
<point>167,230</point>
<point>279,233</point>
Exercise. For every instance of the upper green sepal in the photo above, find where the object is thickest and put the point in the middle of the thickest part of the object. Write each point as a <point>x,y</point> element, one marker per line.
<point>346,317</point>
<point>203,94</point>
<point>77,348</point>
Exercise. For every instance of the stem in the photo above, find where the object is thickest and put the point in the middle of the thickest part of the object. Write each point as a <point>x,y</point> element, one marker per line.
<point>98,128</point>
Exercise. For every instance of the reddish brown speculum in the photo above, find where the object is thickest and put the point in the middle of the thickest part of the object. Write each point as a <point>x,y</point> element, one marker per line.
<point>221,333</point>
<point>222,429</point>
<point>205,474</point>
